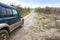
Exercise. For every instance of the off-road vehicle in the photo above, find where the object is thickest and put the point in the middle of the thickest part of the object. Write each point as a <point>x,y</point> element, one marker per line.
<point>9,20</point>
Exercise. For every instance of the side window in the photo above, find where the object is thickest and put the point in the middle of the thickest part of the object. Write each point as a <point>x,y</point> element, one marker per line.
<point>9,12</point>
<point>3,12</point>
<point>15,13</point>
<point>0,12</point>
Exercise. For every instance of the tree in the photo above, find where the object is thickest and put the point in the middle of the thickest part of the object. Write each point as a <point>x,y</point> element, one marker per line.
<point>39,10</point>
<point>48,10</point>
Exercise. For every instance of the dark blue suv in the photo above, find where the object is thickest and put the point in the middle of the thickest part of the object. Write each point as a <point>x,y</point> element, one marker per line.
<point>9,20</point>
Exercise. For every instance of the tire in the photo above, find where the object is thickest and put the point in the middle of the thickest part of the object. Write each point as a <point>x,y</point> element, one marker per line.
<point>4,35</point>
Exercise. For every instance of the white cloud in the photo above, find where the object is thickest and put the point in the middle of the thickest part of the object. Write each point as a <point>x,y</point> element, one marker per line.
<point>6,1</point>
<point>15,2</point>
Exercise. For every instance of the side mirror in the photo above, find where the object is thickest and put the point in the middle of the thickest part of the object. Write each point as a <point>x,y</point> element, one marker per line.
<point>21,17</point>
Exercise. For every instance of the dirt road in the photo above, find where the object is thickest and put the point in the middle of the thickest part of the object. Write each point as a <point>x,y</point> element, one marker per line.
<point>19,33</point>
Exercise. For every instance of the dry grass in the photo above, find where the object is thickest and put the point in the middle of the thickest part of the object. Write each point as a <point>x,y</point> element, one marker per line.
<point>46,28</point>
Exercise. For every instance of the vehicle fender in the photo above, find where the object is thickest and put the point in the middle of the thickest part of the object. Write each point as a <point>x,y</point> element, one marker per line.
<point>3,25</point>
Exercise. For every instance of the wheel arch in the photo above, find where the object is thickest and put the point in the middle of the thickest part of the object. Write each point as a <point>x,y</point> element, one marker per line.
<point>5,28</point>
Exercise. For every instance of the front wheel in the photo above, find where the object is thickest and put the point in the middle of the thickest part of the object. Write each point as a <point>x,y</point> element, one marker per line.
<point>4,35</point>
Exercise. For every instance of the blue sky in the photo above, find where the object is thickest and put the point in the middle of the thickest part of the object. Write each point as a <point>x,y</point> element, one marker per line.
<point>42,3</point>
<point>34,3</point>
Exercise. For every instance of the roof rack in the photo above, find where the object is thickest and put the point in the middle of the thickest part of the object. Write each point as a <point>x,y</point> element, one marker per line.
<point>4,5</point>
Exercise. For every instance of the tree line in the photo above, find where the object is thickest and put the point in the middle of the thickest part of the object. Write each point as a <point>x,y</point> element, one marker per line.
<point>47,10</point>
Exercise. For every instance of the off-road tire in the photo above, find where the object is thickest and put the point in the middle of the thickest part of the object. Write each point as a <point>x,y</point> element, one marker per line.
<point>4,35</point>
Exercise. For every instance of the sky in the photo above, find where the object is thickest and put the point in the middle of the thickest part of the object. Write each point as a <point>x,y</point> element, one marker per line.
<point>33,3</point>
